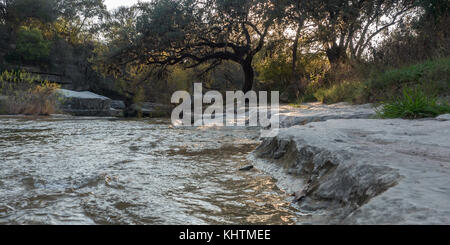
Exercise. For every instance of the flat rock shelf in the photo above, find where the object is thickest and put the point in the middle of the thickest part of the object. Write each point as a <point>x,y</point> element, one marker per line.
<point>364,171</point>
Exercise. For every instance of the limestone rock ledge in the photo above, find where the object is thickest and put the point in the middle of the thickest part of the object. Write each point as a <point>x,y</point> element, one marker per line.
<point>83,103</point>
<point>364,171</point>
<point>317,112</point>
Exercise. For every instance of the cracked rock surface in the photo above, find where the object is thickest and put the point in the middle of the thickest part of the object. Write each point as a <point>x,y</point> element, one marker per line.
<point>364,171</point>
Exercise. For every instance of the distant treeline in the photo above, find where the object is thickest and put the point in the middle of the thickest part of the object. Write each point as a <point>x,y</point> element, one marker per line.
<point>306,49</point>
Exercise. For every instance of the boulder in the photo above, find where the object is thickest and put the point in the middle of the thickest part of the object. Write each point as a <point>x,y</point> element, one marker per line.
<point>83,103</point>
<point>116,112</point>
<point>117,108</point>
<point>363,171</point>
<point>118,105</point>
<point>445,117</point>
<point>149,109</point>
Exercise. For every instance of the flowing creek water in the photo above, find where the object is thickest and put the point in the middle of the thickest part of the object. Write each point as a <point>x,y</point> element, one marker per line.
<point>110,171</point>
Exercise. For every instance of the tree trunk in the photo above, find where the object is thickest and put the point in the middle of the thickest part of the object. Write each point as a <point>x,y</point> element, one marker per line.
<point>129,111</point>
<point>293,90</point>
<point>248,75</point>
<point>338,59</point>
<point>294,56</point>
<point>336,55</point>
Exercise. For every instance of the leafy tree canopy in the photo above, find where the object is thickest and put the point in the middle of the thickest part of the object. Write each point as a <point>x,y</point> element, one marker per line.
<point>193,32</point>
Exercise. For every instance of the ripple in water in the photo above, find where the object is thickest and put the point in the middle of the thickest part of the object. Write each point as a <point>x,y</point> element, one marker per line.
<point>99,171</point>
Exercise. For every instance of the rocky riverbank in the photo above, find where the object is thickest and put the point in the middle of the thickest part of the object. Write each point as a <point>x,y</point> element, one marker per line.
<point>86,103</point>
<point>316,112</point>
<point>361,171</point>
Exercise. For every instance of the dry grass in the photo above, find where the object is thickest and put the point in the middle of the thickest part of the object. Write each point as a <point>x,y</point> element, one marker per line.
<point>27,94</point>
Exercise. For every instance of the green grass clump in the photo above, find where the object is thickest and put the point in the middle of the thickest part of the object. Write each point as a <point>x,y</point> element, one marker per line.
<point>432,75</point>
<point>412,104</point>
<point>342,92</point>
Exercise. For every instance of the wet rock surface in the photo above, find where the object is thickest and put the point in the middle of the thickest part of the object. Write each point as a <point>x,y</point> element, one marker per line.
<point>90,104</point>
<point>293,115</point>
<point>316,112</point>
<point>118,104</point>
<point>362,171</point>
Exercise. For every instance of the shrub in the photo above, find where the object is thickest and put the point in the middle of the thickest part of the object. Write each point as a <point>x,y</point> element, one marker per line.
<point>433,77</point>
<point>31,46</point>
<point>413,103</point>
<point>27,94</point>
<point>274,73</point>
<point>344,91</point>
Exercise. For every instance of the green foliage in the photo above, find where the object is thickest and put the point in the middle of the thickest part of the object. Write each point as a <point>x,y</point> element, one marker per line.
<point>16,12</point>
<point>12,82</point>
<point>432,75</point>
<point>31,46</point>
<point>80,20</point>
<point>308,93</point>
<point>180,79</point>
<point>413,103</point>
<point>275,72</point>
<point>192,33</point>
<point>314,66</point>
<point>175,34</point>
<point>120,28</point>
<point>344,91</point>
